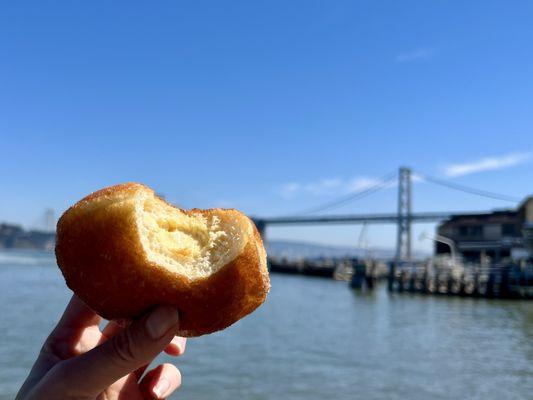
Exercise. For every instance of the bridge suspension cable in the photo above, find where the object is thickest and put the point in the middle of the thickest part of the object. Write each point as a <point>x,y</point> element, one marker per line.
<point>354,196</point>
<point>468,189</point>
<point>390,178</point>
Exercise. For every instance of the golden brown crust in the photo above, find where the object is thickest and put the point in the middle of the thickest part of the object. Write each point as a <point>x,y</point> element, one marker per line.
<point>100,254</point>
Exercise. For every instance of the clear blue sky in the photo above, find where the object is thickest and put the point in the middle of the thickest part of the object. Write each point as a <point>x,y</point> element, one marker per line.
<point>270,107</point>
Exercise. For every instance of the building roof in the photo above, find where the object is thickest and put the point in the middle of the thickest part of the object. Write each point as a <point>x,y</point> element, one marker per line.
<point>500,216</point>
<point>524,202</point>
<point>494,216</point>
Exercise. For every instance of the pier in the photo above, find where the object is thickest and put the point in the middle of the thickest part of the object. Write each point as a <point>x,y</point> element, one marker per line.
<point>504,281</point>
<point>324,268</point>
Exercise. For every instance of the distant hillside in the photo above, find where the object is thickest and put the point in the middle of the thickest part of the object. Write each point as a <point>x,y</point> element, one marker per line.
<point>290,249</point>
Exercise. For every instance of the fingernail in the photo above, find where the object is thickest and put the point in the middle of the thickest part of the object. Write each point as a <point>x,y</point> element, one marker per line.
<point>160,321</point>
<point>160,388</point>
<point>180,342</point>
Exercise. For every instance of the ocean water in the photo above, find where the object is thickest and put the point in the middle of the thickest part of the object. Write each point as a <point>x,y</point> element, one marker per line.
<point>313,339</point>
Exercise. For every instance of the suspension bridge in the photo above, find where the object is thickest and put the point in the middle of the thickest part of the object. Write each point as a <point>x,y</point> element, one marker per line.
<point>403,218</point>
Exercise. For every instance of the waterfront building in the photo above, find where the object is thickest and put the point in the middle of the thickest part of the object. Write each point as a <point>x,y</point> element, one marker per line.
<point>499,234</point>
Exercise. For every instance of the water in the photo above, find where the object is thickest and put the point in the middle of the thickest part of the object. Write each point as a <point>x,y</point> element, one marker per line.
<point>313,339</point>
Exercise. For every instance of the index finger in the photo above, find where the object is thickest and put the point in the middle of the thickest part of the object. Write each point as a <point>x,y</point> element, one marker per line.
<point>78,315</point>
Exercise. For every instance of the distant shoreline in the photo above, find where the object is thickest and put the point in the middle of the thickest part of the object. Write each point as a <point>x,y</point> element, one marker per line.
<point>17,238</point>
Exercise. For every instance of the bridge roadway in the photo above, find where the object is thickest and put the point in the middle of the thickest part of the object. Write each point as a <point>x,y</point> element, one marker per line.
<point>387,218</point>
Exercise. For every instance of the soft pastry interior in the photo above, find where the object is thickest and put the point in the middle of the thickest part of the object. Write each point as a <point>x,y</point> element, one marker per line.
<point>195,245</point>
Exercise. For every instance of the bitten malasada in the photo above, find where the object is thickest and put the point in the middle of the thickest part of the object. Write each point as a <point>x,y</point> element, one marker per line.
<point>123,250</point>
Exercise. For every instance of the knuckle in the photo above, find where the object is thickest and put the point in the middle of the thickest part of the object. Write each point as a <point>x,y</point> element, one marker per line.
<point>59,376</point>
<point>123,347</point>
<point>60,371</point>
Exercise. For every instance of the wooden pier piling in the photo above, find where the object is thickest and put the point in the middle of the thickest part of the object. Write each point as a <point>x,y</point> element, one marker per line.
<point>495,281</point>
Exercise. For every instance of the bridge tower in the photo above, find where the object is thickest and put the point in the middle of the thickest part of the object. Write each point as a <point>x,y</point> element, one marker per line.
<point>403,242</point>
<point>49,220</point>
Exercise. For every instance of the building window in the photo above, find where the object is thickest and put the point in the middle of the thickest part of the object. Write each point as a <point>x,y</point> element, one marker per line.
<point>508,230</point>
<point>474,231</point>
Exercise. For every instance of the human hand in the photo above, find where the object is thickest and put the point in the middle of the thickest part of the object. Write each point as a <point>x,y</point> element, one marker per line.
<point>78,361</point>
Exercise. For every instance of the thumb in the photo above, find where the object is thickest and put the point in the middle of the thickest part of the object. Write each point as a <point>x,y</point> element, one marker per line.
<point>135,346</point>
